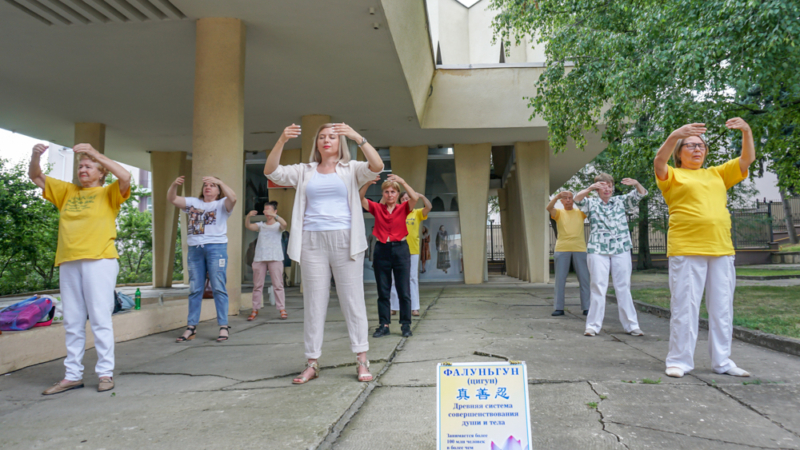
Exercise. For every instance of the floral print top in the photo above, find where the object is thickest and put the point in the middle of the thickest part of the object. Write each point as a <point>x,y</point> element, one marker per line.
<point>609,234</point>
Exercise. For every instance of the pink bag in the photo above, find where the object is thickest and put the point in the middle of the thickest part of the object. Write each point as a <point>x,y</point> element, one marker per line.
<point>25,314</point>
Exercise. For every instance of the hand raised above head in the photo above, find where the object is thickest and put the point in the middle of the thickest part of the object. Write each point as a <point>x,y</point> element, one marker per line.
<point>597,185</point>
<point>564,194</point>
<point>737,123</point>
<point>85,149</point>
<point>179,181</point>
<point>212,180</point>
<point>290,132</point>
<point>39,149</point>
<point>688,130</point>
<point>395,178</point>
<point>376,180</point>
<point>629,182</point>
<point>252,213</point>
<point>342,129</point>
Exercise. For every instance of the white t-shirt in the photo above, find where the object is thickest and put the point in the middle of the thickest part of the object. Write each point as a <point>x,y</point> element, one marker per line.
<point>207,222</point>
<point>327,207</point>
<point>269,246</point>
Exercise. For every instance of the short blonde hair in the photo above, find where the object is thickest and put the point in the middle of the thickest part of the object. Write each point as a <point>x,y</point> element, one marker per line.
<point>344,150</point>
<point>604,177</point>
<point>390,184</point>
<point>100,167</point>
<point>219,195</point>
<point>676,152</point>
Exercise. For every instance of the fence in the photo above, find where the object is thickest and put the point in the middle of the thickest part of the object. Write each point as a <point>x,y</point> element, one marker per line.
<point>752,229</point>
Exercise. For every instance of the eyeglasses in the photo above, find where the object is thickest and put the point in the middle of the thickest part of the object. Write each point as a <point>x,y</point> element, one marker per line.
<point>694,146</point>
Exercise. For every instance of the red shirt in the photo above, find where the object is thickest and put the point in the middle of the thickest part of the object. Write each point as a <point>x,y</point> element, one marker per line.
<point>389,226</point>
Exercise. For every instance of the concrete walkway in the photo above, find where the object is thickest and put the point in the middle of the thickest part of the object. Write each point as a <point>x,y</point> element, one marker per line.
<point>238,395</point>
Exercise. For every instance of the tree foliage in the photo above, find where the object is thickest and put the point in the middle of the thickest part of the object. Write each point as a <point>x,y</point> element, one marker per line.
<point>637,69</point>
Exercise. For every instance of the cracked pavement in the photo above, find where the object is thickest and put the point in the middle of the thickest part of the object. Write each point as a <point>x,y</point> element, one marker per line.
<point>584,392</point>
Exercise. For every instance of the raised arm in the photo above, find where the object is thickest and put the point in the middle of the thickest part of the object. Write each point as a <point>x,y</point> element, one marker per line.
<point>172,193</point>
<point>274,158</point>
<point>665,151</point>
<point>117,170</point>
<point>35,169</point>
<point>428,206</point>
<point>412,194</point>
<point>247,224</point>
<point>373,158</point>
<point>363,192</point>
<point>582,194</point>
<point>281,221</point>
<point>227,192</point>
<point>551,207</point>
<point>748,148</point>
<point>631,182</point>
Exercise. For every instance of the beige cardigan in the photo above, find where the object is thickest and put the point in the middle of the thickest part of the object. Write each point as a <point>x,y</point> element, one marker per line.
<point>354,174</point>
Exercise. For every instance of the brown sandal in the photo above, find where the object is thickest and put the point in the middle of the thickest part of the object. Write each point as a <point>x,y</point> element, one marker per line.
<point>252,315</point>
<point>304,380</point>
<point>193,330</point>
<point>284,316</point>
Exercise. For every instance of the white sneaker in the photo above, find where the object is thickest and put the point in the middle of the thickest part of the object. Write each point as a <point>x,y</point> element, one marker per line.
<point>589,332</point>
<point>737,372</point>
<point>636,332</point>
<point>674,372</point>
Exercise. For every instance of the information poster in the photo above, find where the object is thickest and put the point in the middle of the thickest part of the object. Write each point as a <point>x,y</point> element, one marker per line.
<point>482,406</point>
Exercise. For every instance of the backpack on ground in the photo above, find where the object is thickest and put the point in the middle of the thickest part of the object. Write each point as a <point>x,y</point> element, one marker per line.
<point>25,314</point>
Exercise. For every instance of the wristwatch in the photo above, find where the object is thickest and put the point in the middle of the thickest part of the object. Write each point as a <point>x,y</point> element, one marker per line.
<point>363,141</point>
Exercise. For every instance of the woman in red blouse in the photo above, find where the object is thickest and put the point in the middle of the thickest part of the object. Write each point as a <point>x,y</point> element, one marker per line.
<point>391,251</point>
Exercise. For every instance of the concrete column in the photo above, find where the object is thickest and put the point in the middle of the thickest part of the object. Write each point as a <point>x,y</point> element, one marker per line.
<point>285,199</point>
<point>473,163</point>
<point>166,167</point>
<point>186,171</point>
<point>309,125</point>
<point>88,133</point>
<point>533,169</point>
<point>218,127</point>
<point>411,164</point>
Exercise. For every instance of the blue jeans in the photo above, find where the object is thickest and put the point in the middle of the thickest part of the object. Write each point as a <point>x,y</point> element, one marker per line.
<point>211,258</point>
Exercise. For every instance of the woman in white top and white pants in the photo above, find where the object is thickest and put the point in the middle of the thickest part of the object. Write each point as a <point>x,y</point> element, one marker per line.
<point>327,234</point>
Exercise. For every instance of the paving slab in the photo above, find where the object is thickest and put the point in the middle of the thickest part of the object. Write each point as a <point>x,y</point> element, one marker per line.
<point>238,394</point>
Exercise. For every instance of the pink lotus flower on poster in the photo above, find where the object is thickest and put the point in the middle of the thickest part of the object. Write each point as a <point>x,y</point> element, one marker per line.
<point>510,444</point>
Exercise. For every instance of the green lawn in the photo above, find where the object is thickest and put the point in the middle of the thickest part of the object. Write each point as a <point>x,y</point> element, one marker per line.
<point>790,248</point>
<point>764,272</point>
<point>771,309</point>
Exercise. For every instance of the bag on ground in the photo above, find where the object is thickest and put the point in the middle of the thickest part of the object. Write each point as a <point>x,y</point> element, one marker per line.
<point>25,314</point>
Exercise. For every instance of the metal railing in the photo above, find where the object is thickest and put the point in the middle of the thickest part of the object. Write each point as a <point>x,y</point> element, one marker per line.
<point>752,228</point>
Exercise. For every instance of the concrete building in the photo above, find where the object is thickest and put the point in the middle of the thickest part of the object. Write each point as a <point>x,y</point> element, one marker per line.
<point>203,87</point>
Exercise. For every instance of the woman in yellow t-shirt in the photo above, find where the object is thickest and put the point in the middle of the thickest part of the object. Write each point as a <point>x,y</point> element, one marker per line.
<point>699,248</point>
<point>86,257</point>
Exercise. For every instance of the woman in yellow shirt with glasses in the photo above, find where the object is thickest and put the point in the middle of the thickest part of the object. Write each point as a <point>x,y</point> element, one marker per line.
<point>700,248</point>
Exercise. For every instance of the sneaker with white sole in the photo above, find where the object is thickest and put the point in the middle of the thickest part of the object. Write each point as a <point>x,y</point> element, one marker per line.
<point>737,372</point>
<point>589,332</point>
<point>636,332</point>
<point>674,372</point>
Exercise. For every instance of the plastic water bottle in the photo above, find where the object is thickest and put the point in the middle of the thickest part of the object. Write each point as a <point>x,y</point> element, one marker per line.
<point>138,299</point>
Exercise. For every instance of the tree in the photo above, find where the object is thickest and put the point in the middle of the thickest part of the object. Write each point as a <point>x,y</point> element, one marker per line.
<point>644,68</point>
<point>28,233</point>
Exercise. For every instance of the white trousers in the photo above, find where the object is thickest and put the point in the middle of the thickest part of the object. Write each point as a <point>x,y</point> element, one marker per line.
<point>87,288</point>
<point>688,275</point>
<point>413,270</point>
<point>620,268</point>
<point>324,253</point>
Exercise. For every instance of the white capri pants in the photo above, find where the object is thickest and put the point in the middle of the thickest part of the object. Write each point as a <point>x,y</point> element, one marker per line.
<point>87,288</point>
<point>620,267</point>
<point>324,253</point>
<point>413,270</point>
<point>688,275</point>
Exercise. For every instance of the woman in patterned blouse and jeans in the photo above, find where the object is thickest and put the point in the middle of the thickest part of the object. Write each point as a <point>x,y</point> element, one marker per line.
<point>609,250</point>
